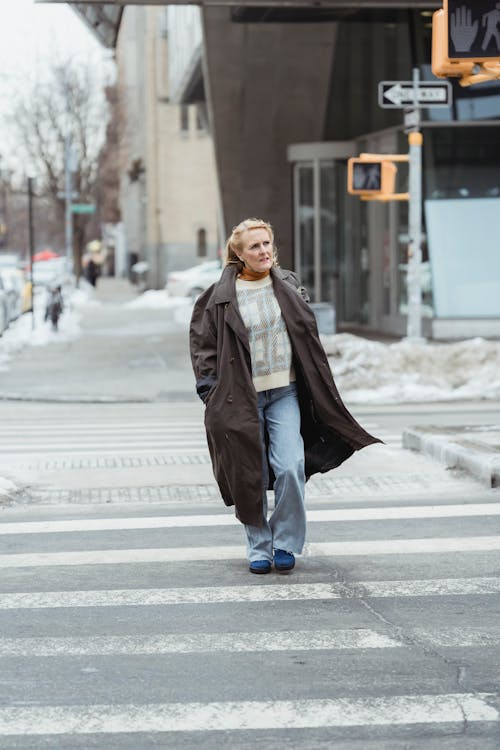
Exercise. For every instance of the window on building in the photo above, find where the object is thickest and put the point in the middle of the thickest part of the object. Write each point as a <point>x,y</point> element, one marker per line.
<point>184,118</point>
<point>201,118</point>
<point>202,243</point>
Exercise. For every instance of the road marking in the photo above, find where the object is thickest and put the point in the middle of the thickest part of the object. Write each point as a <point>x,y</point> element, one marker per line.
<point>250,593</point>
<point>199,554</point>
<point>191,643</point>
<point>454,708</point>
<point>194,643</point>
<point>459,637</point>
<point>315,516</point>
<point>35,429</point>
<point>79,452</point>
<point>73,443</point>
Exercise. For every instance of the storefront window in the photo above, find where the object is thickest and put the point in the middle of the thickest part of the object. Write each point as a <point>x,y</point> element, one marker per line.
<point>328,224</point>
<point>306,225</point>
<point>462,205</point>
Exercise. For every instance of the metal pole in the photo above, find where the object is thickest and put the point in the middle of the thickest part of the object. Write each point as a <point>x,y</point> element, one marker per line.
<point>414,322</point>
<point>32,248</point>
<point>68,196</point>
<point>317,229</point>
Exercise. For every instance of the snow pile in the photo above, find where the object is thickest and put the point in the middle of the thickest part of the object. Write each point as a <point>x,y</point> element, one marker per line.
<point>374,372</point>
<point>6,487</point>
<point>157,299</point>
<point>83,296</point>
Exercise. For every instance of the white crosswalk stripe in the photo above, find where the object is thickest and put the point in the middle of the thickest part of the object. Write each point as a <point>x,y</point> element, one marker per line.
<point>229,552</point>
<point>441,587</point>
<point>198,643</point>
<point>100,437</point>
<point>464,510</point>
<point>97,437</point>
<point>242,715</point>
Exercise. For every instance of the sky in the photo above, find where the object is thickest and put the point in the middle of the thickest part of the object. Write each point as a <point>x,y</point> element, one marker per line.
<point>32,35</point>
<point>31,32</point>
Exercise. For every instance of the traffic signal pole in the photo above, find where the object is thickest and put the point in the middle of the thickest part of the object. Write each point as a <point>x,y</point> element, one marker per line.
<point>414,286</point>
<point>68,197</point>
<point>31,248</point>
<point>375,185</point>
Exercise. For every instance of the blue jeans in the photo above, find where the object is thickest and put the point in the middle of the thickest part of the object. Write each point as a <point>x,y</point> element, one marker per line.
<point>279,416</point>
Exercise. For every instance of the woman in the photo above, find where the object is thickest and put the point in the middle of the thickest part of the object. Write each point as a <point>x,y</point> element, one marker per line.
<point>273,414</point>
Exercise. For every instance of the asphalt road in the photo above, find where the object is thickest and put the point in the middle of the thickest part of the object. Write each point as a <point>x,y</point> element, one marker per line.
<point>131,621</point>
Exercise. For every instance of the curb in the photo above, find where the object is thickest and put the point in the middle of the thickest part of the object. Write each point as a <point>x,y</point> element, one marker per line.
<point>462,452</point>
<point>74,399</point>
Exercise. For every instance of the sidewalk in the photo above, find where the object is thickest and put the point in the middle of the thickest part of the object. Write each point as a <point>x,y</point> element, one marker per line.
<point>473,448</point>
<point>107,349</point>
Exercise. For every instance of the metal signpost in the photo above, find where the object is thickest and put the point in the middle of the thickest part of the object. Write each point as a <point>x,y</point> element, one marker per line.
<point>412,96</point>
<point>70,167</point>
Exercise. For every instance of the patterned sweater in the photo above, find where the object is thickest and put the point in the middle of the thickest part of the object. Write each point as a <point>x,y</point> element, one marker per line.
<point>270,347</point>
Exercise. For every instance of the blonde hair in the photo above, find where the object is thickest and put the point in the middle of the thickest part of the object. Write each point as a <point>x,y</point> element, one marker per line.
<point>235,244</point>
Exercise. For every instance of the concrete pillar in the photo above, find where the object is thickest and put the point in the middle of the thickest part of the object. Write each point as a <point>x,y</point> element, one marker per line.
<point>267,86</point>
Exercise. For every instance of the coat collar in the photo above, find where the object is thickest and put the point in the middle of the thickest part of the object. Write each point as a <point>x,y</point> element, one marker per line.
<point>225,288</point>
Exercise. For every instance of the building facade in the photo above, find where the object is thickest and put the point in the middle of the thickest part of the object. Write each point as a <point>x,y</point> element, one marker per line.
<point>291,91</point>
<point>168,192</point>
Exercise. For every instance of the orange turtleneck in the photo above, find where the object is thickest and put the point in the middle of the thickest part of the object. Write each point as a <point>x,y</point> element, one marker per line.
<point>248,275</point>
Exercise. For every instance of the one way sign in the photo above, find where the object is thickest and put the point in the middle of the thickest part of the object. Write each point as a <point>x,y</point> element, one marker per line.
<point>401,94</point>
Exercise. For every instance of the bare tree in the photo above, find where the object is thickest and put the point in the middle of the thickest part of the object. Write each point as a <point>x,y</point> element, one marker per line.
<point>68,103</point>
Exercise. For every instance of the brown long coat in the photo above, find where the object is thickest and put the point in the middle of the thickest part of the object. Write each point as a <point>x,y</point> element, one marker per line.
<point>221,361</point>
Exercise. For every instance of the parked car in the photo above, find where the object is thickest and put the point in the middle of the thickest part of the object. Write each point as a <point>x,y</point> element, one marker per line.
<point>4,309</point>
<point>13,286</point>
<point>193,281</point>
<point>16,282</point>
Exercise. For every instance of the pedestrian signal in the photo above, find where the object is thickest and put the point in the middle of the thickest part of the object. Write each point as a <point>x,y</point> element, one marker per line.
<point>370,178</point>
<point>466,40</point>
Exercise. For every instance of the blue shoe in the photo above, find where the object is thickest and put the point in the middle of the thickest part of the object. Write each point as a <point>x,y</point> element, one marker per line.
<point>283,560</point>
<point>260,566</point>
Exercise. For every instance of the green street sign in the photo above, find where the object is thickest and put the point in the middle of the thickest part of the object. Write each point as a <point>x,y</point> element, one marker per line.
<point>83,208</point>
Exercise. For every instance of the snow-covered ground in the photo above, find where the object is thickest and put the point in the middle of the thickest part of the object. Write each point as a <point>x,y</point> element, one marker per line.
<point>157,299</point>
<point>371,372</point>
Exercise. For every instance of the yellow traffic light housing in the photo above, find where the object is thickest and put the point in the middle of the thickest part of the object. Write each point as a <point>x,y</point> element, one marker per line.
<point>370,178</point>
<point>462,39</point>
<point>373,177</point>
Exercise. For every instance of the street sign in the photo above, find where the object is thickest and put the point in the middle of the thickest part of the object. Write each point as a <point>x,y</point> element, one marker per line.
<point>62,195</point>
<point>400,94</point>
<point>83,208</point>
<point>473,29</point>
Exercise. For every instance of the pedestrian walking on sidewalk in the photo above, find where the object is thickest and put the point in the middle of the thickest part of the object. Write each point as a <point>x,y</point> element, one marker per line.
<point>54,306</point>
<point>273,413</point>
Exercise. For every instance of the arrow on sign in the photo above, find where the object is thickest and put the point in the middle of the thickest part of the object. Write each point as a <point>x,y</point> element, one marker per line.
<point>402,94</point>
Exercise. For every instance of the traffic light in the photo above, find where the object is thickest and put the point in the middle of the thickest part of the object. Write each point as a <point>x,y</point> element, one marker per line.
<point>370,178</point>
<point>466,40</point>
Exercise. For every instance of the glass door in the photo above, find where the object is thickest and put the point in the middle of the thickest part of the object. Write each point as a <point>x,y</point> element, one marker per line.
<point>316,229</point>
